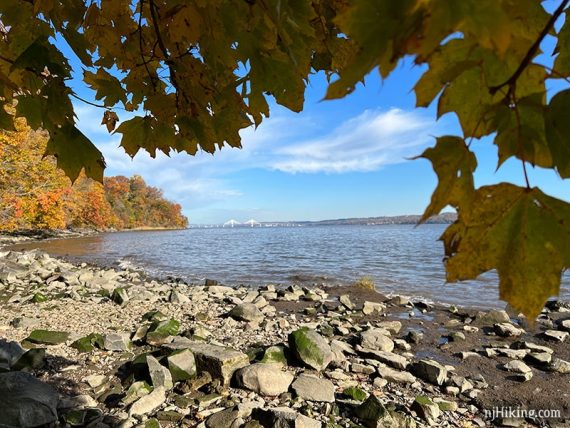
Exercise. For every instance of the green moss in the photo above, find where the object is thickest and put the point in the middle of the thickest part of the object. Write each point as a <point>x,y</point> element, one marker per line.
<point>39,298</point>
<point>355,393</point>
<point>47,337</point>
<point>89,343</point>
<point>305,347</point>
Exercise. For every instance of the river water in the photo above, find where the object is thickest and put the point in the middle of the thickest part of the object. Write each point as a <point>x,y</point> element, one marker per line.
<point>402,259</point>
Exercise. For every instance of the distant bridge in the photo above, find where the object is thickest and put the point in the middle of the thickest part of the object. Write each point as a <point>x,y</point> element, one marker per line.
<point>249,223</point>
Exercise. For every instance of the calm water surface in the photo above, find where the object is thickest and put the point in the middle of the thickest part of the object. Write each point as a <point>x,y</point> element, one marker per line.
<point>401,258</point>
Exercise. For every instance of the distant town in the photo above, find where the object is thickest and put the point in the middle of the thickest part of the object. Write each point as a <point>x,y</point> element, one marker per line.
<point>444,218</point>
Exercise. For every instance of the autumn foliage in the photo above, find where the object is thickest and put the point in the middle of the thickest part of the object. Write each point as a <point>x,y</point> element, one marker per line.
<point>35,194</point>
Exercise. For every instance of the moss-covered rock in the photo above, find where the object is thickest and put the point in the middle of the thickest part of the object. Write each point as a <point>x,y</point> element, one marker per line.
<point>274,355</point>
<point>89,343</point>
<point>310,348</point>
<point>47,337</point>
<point>159,331</point>
<point>355,393</point>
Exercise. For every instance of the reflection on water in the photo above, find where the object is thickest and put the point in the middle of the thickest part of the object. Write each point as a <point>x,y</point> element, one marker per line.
<point>401,258</point>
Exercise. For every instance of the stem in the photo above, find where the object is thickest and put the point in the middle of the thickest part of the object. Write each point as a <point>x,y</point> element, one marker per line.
<point>525,174</point>
<point>533,49</point>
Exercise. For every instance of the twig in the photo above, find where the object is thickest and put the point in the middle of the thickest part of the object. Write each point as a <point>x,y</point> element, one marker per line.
<point>145,63</point>
<point>532,51</point>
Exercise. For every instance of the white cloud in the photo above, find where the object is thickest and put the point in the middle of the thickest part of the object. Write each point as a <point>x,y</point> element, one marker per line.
<point>364,143</point>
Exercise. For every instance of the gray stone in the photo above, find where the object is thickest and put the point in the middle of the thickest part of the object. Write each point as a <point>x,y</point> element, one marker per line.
<point>275,355</point>
<point>120,296</point>
<point>310,348</point>
<point>492,317</point>
<point>182,365</point>
<point>396,376</point>
<point>47,337</point>
<point>219,361</point>
<point>393,327</point>
<point>247,312</point>
<point>393,360</point>
<point>265,379</point>
<point>10,352</point>
<point>117,342</point>
<point>377,339</point>
<point>374,414</point>
<point>507,330</point>
<point>159,374</point>
<point>539,358</point>
<point>370,307</point>
<point>149,402</point>
<point>345,301</point>
<point>178,298</point>
<point>426,409</point>
<point>559,365</point>
<point>25,401</point>
<point>430,371</point>
<point>517,366</point>
<point>312,388</point>
<point>556,335</point>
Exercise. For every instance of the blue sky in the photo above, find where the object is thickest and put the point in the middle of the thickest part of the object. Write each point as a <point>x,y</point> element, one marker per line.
<point>336,159</point>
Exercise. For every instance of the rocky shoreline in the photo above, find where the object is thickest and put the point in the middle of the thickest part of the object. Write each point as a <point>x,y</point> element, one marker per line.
<point>87,346</point>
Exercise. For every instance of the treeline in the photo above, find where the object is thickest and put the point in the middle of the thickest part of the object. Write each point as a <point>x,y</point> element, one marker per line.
<point>34,194</point>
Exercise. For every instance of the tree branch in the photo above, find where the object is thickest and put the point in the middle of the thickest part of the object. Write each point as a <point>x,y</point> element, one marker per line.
<point>145,62</point>
<point>511,81</point>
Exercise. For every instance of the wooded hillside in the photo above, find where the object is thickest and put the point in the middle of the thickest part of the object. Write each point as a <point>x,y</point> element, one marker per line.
<point>34,194</point>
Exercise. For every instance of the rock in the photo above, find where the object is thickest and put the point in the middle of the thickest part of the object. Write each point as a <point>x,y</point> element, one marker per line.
<point>396,376</point>
<point>32,359</point>
<point>77,402</point>
<point>310,348</point>
<point>182,365</point>
<point>178,298</point>
<point>148,403</point>
<point>393,327</point>
<point>118,342</point>
<point>426,409</point>
<point>430,371</point>
<point>507,329</point>
<point>414,336</point>
<point>393,360</point>
<point>120,296</point>
<point>370,307</point>
<point>265,379</point>
<point>539,358</point>
<point>445,405</point>
<point>374,414</point>
<point>95,380</point>
<point>160,331</point>
<point>219,361</point>
<point>559,365</point>
<point>223,419</point>
<point>556,335</point>
<point>283,417</point>
<point>247,312</point>
<point>312,388</point>
<point>516,366</point>
<point>492,317</point>
<point>89,343</point>
<point>456,336</point>
<point>25,401</point>
<point>345,301</point>
<point>354,393</point>
<point>136,390</point>
<point>10,352</point>
<point>377,339</point>
<point>274,355</point>
<point>46,337</point>
<point>160,375</point>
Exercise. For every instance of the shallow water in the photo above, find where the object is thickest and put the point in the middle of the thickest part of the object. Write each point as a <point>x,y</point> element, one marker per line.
<point>401,258</point>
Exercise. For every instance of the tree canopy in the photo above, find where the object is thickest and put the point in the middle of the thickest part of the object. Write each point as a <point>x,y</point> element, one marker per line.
<point>196,72</point>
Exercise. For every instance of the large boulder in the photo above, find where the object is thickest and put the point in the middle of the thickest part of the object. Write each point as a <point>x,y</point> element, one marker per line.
<point>10,352</point>
<point>25,401</point>
<point>265,379</point>
<point>310,348</point>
